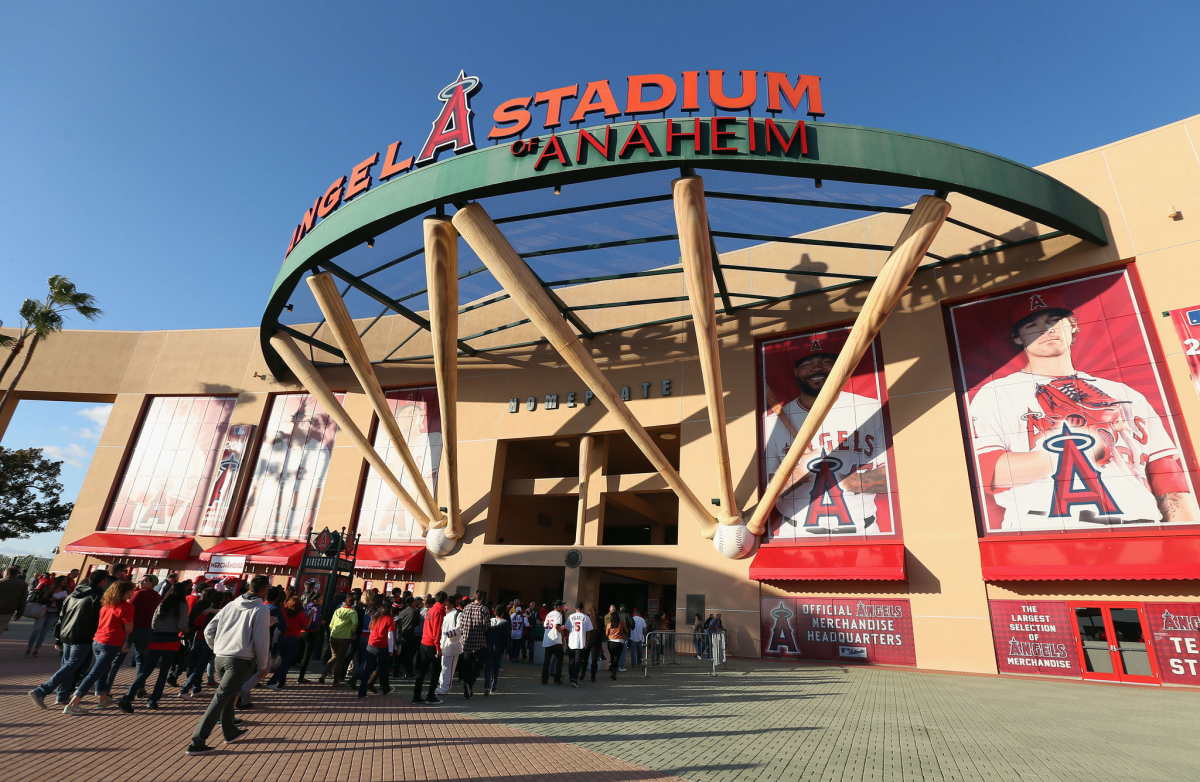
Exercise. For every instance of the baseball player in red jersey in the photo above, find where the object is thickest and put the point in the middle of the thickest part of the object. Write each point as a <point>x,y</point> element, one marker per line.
<point>834,488</point>
<point>1058,448</point>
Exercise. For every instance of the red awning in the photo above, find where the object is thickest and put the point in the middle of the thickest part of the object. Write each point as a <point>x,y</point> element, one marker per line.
<point>410,559</point>
<point>261,552</point>
<point>1168,557</point>
<point>868,562</point>
<point>126,545</point>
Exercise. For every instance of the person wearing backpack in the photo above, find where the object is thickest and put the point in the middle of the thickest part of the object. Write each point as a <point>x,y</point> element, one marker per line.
<point>78,619</point>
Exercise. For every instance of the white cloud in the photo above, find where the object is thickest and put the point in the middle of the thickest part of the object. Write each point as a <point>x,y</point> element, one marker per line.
<point>97,415</point>
<point>73,454</point>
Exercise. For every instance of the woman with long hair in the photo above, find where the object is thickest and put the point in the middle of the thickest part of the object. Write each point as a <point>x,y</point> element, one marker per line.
<point>595,643</point>
<point>210,603</point>
<point>380,645</point>
<point>49,594</point>
<point>112,638</point>
<point>295,620</point>
<point>451,645</point>
<point>618,633</point>
<point>170,620</point>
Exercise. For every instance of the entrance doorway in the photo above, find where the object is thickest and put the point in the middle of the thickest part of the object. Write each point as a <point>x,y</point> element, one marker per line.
<point>1112,639</point>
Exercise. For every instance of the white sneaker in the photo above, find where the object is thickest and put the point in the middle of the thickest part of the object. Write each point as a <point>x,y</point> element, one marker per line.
<point>622,670</point>
<point>274,687</point>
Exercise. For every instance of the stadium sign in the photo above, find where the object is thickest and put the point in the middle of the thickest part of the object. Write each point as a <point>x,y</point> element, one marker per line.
<point>453,129</point>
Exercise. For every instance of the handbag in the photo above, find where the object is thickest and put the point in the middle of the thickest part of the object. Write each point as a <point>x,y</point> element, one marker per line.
<point>35,610</point>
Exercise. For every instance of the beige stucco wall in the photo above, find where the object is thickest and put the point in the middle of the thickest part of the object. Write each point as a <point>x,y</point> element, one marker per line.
<point>1137,182</point>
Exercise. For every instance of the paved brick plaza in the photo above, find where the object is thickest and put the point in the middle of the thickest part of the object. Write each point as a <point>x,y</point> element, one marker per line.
<point>761,722</point>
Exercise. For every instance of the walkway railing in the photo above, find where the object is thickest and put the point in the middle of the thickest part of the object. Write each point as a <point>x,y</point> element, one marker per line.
<point>700,651</point>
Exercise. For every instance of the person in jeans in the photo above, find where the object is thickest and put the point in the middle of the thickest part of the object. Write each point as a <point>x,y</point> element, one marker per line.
<point>240,637</point>
<point>380,646</point>
<point>552,643</point>
<point>144,601</point>
<point>618,634</point>
<point>473,625</point>
<point>13,594</point>
<point>169,621</point>
<point>595,650</point>
<point>112,633</point>
<point>51,596</point>
<point>698,636</point>
<point>579,630</point>
<point>343,628</point>
<point>637,637</point>
<point>199,617</point>
<point>517,624</point>
<point>430,651</point>
<point>73,635</point>
<point>498,637</point>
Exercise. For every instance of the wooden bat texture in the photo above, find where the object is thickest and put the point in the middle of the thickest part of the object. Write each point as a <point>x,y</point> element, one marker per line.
<point>918,234</point>
<point>695,245</point>
<point>441,275</point>
<point>519,282</point>
<point>342,325</point>
<point>587,446</point>
<point>312,381</point>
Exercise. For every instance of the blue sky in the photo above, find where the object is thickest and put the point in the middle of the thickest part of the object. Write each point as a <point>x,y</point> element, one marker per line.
<point>159,154</point>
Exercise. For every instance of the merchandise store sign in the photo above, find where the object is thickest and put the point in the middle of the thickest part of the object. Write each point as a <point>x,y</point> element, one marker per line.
<point>226,565</point>
<point>1034,637</point>
<point>1175,634</point>
<point>838,628</point>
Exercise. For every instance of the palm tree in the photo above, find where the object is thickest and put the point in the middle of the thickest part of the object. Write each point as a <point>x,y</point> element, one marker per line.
<point>40,319</point>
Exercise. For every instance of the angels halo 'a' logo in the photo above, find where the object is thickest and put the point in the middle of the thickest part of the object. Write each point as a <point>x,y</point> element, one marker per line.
<point>453,129</point>
<point>321,544</point>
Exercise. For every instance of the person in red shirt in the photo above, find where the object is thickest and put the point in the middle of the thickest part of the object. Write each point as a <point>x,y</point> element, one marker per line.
<point>431,650</point>
<point>380,645</point>
<point>116,620</point>
<point>295,620</point>
<point>144,601</point>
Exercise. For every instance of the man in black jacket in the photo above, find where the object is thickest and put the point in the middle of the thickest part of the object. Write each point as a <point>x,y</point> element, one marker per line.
<point>406,631</point>
<point>13,590</point>
<point>77,622</point>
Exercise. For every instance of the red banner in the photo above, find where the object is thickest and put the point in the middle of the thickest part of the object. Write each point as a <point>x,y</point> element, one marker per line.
<point>1175,634</point>
<point>1034,637</point>
<point>838,628</point>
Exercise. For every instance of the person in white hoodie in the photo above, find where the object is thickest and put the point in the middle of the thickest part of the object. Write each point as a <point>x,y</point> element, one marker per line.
<point>452,645</point>
<point>240,637</point>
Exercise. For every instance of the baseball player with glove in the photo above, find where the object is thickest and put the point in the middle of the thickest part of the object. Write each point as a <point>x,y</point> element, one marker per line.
<point>1062,449</point>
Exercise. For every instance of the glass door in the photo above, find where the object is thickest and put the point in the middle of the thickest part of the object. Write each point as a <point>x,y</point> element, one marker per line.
<point>1112,642</point>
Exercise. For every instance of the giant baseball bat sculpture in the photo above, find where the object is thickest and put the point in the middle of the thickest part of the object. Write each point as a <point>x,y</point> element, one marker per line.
<point>342,325</point>
<point>519,282</point>
<point>312,381</point>
<point>696,248</point>
<point>918,234</point>
<point>441,276</point>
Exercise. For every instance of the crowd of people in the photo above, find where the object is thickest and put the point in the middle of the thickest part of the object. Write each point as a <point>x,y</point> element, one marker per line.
<point>236,636</point>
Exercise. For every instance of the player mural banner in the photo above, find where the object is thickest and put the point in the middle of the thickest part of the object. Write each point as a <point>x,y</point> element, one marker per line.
<point>289,477</point>
<point>1187,326</point>
<point>844,486</point>
<point>166,479</point>
<point>1175,634</point>
<point>381,517</point>
<point>1034,637</point>
<point>224,485</point>
<point>1069,423</point>
<point>838,628</point>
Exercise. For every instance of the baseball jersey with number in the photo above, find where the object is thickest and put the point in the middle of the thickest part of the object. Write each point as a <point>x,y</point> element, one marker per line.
<point>578,624</point>
<point>1079,494</point>
<point>851,438</point>
<point>553,626</point>
<point>518,625</point>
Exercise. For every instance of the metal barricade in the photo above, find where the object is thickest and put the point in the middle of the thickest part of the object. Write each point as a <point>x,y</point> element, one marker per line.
<point>700,651</point>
